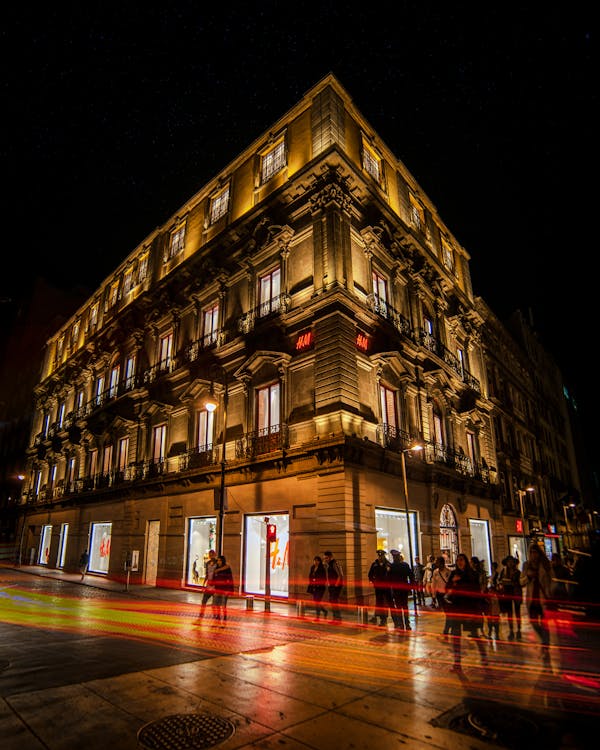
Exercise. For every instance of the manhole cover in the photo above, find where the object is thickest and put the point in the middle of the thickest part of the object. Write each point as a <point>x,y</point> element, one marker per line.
<point>184,732</point>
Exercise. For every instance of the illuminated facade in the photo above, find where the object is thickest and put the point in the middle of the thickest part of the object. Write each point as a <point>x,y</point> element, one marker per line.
<point>316,271</point>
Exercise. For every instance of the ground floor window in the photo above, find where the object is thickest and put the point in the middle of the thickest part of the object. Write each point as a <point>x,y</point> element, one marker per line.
<point>45,541</point>
<point>480,541</point>
<point>255,550</point>
<point>62,545</point>
<point>100,547</point>
<point>392,532</point>
<point>202,536</point>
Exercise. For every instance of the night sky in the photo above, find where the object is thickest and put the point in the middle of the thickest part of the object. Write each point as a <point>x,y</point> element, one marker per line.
<point>116,114</point>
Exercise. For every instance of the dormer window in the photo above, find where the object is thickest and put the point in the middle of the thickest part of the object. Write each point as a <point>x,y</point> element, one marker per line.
<point>75,334</point>
<point>94,315</point>
<point>219,204</point>
<point>113,295</point>
<point>272,161</point>
<point>142,269</point>
<point>417,214</point>
<point>128,280</point>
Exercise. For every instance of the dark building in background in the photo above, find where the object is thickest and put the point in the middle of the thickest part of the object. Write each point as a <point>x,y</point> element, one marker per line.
<point>26,322</point>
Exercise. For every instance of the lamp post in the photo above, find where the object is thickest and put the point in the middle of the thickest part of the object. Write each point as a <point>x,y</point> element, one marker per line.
<point>211,405</point>
<point>569,505</point>
<point>522,494</point>
<point>415,447</point>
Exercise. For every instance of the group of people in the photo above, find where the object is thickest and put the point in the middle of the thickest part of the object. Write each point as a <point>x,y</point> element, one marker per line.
<point>393,581</point>
<point>326,575</point>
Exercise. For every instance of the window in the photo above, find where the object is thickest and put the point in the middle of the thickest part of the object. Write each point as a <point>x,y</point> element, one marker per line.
<point>392,531</point>
<point>460,355</point>
<point>79,401</point>
<point>219,205</point>
<point>75,334</point>
<point>128,280</point>
<point>380,292</point>
<point>165,351</point>
<point>107,459</point>
<point>130,372</point>
<point>177,242</point>
<point>60,418</point>
<point>113,295</point>
<point>268,409</point>
<point>372,163</point>
<point>70,476</point>
<point>269,292</point>
<point>123,453</point>
<point>60,345</point>
<point>45,424</point>
<point>448,255</point>
<point>389,414</point>
<point>93,462</point>
<point>94,316</point>
<point>113,388</point>
<point>142,269</point>
<point>272,161</point>
<point>417,214</point>
<point>62,545</point>
<point>37,482</point>
<point>205,423</point>
<point>99,395</point>
<point>159,437</point>
<point>210,323</point>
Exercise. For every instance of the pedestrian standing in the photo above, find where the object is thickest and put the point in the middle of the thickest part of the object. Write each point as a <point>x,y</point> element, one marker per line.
<point>317,583</point>
<point>223,588</point>
<point>493,606</point>
<point>209,572</point>
<point>83,563</point>
<point>418,575</point>
<point>427,577</point>
<point>463,594</point>
<point>335,582</point>
<point>510,595</point>
<point>401,582</point>
<point>379,576</point>
<point>537,580</point>
<point>439,581</point>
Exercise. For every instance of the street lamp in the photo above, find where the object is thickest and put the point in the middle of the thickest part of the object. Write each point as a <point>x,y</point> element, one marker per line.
<point>211,405</point>
<point>522,494</point>
<point>415,447</point>
<point>569,505</point>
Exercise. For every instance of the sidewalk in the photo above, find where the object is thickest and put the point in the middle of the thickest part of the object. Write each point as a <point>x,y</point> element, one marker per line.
<point>308,686</point>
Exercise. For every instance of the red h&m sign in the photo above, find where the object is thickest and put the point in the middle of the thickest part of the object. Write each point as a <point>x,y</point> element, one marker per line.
<point>519,525</point>
<point>304,341</point>
<point>362,342</point>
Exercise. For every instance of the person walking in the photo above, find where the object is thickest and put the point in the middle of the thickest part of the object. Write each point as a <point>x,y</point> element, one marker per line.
<point>209,572</point>
<point>317,583</point>
<point>439,581</point>
<point>427,576</point>
<point>537,580</point>
<point>401,581</point>
<point>418,575</point>
<point>492,603</point>
<point>510,595</point>
<point>223,588</point>
<point>379,576</point>
<point>83,563</point>
<point>482,577</point>
<point>463,595</point>
<point>335,583</point>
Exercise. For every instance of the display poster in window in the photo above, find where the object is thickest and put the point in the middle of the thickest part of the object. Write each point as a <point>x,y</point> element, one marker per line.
<point>255,546</point>
<point>45,541</point>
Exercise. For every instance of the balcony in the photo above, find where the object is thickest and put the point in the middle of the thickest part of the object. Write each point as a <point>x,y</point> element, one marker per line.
<point>260,442</point>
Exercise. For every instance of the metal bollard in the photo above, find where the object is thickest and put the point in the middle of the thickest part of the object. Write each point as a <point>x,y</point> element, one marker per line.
<point>249,603</point>
<point>300,608</point>
<point>363,615</point>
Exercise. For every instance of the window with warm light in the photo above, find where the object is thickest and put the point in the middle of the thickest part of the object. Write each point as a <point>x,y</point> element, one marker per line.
<point>99,395</point>
<point>123,453</point>
<point>177,241</point>
<point>272,161</point>
<point>142,268</point>
<point>389,412</point>
<point>128,283</point>
<point>93,462</point>
<point>205,421</point>
<point>107,459</point>
<point>219,205</point>
<point>269,291</point>
<point>210,324</point>
<point>159,440</point>
<point>417,213</point>
<point>372,163</point>
<point>380,292</point>
<point>267,409</point>
<point>165,351</point>
<point>130,372</point>
<point>113,388</point>
<point>447,255</point>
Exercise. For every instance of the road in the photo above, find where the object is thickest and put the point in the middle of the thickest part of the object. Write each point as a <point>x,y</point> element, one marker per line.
<point>94,666</point>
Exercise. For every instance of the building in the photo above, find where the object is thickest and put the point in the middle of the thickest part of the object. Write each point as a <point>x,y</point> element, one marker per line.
<point>314,292</point>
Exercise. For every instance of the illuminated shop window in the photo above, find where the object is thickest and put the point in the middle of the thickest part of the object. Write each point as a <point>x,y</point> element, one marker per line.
<point>255,549</point>
<point>392,532</point>
<point>45,541</point>
<point>62,545</point>
<point>100,540</point>
<point>202,537</point>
